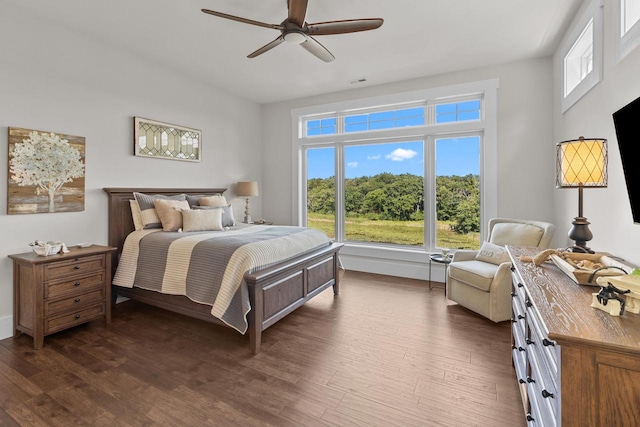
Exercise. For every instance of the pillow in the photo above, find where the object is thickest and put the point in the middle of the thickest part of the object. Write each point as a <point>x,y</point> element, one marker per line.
<point>509,233</point>
<point>169,212</point>
<point>492,253</point>
<point>194,199</point>
<point>135,214</point>
<point>217,200</point>
<point>227,214</point>
<point>147,209</point>
<point>202,220</point>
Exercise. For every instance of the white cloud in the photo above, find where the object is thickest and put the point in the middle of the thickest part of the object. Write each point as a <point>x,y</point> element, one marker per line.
<point>374,157</point>
<point>400,154</point>
<point>352,164</point>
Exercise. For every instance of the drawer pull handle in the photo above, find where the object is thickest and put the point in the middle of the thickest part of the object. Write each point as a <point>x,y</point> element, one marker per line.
<point>530,342</point>
<point>530,418</point>
<point>521,349</point>
<point>521,381</point>
<point>546,394</point>
<point>76,267</point>
<point>76,300</point>
<point>77,316</point>
<point>76,284</point>
<point>530,380</point>
<point>513,294</point>
<point>512,268</point>
<point>546,343</point>
<point>528,303</point>
<point>520,316</point>
<point>520,285</point>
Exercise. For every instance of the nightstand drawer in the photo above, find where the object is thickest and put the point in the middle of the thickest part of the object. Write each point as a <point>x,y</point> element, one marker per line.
<point>73,286</point>
<point>75,302</point>
<point>73,318</point>
<point>74,267</point>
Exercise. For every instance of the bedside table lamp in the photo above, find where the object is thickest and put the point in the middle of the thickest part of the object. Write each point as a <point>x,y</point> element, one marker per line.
<point>247,189</point>
<point>581,163</point>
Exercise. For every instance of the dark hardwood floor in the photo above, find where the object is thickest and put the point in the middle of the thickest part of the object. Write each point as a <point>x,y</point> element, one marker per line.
<point>386,352</point>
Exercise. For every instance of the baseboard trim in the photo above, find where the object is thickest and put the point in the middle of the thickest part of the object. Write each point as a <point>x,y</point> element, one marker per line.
<point>6,327</point>
<point>398,268</point>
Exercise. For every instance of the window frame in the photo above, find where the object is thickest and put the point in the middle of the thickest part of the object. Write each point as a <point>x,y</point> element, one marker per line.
<point>486,126</point>
<point>623,43</point>
<point>594,11</point>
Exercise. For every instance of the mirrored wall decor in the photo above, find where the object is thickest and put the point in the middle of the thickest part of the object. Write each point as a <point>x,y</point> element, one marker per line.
<point>166,141</point>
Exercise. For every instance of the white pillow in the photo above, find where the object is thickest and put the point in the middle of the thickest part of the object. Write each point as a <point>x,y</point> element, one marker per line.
<point>493,254</point>
<point>202,220</point>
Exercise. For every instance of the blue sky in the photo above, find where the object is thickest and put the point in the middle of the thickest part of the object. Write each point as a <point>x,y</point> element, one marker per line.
<point>454,156</point>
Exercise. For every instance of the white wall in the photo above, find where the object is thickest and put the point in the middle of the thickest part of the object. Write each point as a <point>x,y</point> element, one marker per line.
<point>54,80</point>
<point>607,209</point>
<point>525,151</point>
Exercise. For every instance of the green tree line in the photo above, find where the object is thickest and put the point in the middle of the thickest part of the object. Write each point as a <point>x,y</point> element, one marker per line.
<point>400,198</point>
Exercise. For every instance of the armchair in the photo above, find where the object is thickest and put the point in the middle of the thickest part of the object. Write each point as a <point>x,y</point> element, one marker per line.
<point>485,287</point>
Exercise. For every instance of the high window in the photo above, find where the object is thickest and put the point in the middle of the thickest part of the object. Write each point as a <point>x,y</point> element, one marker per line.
<point>626,24</point>
<point>581,55</point>
<point>398,171</point>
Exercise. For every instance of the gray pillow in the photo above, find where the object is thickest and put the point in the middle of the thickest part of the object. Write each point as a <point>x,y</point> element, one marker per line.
<point>227,214</point>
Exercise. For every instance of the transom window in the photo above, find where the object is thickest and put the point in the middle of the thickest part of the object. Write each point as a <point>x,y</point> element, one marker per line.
<point>626,24</point>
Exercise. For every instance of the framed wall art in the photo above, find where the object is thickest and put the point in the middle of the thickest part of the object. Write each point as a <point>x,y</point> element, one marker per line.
<point>46,172</point>
<point>166,141</point>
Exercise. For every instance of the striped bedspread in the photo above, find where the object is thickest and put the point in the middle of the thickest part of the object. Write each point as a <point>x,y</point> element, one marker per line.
<point>209,267</point>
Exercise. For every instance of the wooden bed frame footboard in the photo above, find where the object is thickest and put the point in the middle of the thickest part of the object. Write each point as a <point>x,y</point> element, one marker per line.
<point>274,292</point>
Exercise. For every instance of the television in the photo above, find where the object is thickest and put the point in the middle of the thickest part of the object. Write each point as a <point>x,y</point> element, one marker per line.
<point>626,122</point>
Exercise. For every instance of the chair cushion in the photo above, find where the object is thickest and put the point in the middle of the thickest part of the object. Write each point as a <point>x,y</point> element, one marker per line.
<point>475,273</point>
<point>515,234</point>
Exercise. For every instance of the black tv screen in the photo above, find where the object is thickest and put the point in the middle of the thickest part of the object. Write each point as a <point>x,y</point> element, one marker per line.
<point>627,124</point>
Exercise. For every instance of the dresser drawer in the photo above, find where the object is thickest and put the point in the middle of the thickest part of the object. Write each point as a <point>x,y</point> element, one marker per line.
<point>53,324</point>
<point>75,302</point>
<point>74,267</point>
<point>73,286</point>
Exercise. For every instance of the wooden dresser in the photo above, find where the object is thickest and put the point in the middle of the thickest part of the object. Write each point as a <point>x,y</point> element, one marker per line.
<point>60,291</point>
<point>576,365</point>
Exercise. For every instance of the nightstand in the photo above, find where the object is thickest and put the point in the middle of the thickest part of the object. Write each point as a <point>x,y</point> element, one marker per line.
<point>56,292</point>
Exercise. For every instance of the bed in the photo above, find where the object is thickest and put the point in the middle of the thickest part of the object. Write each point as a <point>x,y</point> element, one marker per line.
<point>273,292</point>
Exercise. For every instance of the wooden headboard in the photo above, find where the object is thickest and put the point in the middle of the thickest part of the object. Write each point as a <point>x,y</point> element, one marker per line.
<point>120,219</point>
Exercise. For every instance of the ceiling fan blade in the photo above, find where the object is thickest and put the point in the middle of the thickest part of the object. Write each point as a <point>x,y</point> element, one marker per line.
<point>342,27</point>
<point>297,11</point>
<point>243,20</point>
<point>313,46</point>
<point>266,47</point>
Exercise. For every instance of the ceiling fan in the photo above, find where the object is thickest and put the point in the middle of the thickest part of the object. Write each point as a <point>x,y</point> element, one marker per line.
<point>295,29</point>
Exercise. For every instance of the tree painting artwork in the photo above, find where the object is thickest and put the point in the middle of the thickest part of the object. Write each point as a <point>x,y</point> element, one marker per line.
<point>46,172</point>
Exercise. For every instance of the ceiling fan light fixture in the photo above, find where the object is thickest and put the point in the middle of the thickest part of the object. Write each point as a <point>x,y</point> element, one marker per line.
<point>295,37</point>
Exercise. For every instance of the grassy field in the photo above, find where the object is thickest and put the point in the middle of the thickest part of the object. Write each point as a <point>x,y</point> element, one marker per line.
<point>398,232</point>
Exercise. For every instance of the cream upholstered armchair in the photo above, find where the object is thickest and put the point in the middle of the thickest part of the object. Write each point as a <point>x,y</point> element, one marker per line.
<point>481,280</point>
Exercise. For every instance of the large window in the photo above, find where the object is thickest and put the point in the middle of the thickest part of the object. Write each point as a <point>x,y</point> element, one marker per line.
<point>581,55</point>
<point>409,174</point>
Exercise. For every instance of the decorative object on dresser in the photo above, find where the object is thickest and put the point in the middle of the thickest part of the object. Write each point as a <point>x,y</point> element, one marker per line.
<point>166,141</point>
<point>575,365</point>
<point>247,189</point>
<point>271,292</point>
<point>57,292</point>
<point>581,163</point>
<point>40,164</point>
<point>480,280</point>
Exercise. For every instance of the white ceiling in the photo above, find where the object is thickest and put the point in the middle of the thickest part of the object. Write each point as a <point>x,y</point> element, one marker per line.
<point>418,38</point>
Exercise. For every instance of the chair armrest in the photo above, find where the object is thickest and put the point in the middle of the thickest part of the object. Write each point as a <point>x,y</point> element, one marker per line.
<point>464,255</point>
<point>503,275</point>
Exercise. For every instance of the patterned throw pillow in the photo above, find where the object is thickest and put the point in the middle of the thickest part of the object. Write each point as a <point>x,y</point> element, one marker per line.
<point>202,220</point>
<point>493,254</point>
<point>227,214</point>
